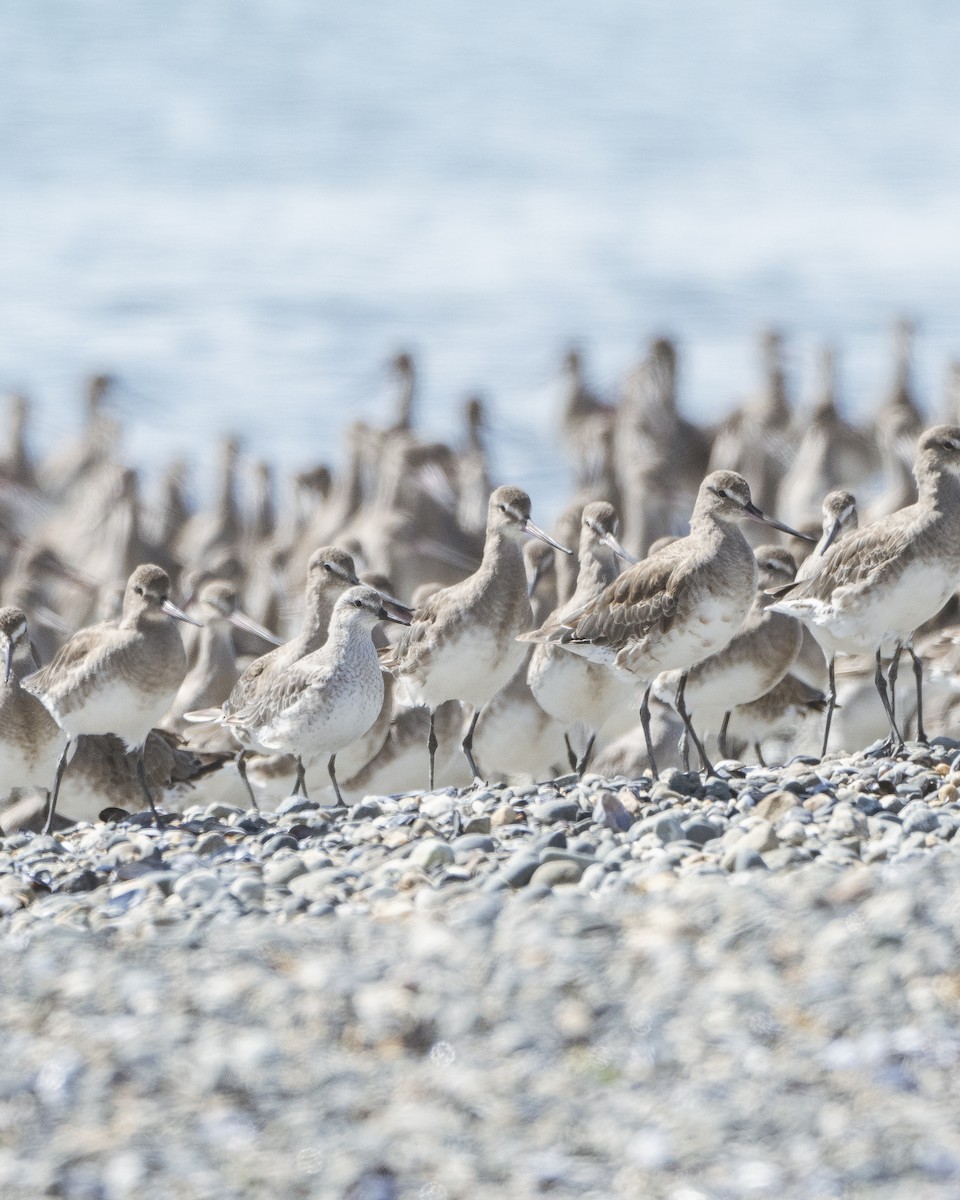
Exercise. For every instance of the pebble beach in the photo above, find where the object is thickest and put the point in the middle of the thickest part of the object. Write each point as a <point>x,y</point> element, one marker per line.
<point>521,318</point>
<point>689,988</point>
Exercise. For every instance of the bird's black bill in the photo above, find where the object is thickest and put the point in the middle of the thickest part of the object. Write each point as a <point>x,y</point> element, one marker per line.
<point>752,511</point>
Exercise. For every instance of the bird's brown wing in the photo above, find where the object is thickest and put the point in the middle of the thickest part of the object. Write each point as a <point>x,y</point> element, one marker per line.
<point>639,602</point>
<point>76,666</point>
<point>861,556</point>
<point>407,649</point>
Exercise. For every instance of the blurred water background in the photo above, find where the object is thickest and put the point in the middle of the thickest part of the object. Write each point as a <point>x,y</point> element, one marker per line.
<point>243,207</point>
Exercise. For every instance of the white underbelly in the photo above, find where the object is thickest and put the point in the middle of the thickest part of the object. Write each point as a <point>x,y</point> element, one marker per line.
<point>571,688</point>
<point>711,694</point>
<point>125,711</point>
<point>320,726</point>
<point>30,766</point>
<point>471,667</point>
<point>708,631</point>
<point>857,621</point>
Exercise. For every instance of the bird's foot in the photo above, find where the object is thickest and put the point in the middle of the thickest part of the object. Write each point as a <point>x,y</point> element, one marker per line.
<point>889,747</point>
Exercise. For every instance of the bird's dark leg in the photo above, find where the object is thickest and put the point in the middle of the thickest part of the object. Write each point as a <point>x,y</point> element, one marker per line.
<point>896,738</point>
<point>331,767</point>
<point>300,787</point>
<point>61,767</point>
<point>431,750</point>
<point>831,705</point>
<point>571,755</point>
<point>581,766</point>
<point>142,776</point>
<point>892,672</point>
<point>722,736</point>
<point>681,707</point>
<point>918,676</point>
<point>241,762</point>
<point>467,743</point>
<point>759,754</point>
<point>645,726</point>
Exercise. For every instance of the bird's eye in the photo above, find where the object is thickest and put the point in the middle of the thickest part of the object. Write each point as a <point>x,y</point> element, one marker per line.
<point>138,590</point>
<point>358,604</point>
<point>502,507</point>
<point>328,567</point>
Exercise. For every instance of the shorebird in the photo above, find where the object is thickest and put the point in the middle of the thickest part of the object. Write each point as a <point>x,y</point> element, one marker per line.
<point>208,537</point>
<point>780,715</point>
<point>330,573</point>
<point>31,741</point>
<point>398,765</point>
<point>16,462</point>
<point>754,660</point>
<point>898,415</point>
<point>877,585</point>
<point>214,673</point>
<point>102,779</point>
<point>756,438</point>
<point>678,606</point>
<point>586,425</point>
<point>117,677</point>
<point>571,689</point>
<point>839,512</point>
<point>831,453</point>
<point>473,470</point>
<point>461,644</point>
<point>327,699</point>
<point>660,457</point>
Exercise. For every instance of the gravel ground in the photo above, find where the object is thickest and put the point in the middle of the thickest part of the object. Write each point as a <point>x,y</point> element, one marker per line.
<point>744,986</point>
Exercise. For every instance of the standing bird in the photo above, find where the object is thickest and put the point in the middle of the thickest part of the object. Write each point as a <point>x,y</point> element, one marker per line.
<point>330,573</point>
<point>31,741</point>
<point>678,606</point>
<point>754,660</point>
<point>119,676</point>
<point>214,673</point>
<point>461,644</point>
<point>839,518</point>
<point>571,689</point>
<point>879,584</point>
<point>327,699</point>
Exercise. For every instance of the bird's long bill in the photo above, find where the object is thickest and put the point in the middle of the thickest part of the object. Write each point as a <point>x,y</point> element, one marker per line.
<point>609,540</point>
<point>172,611</point>
<point>537,532</point>
<point>752,511</point>
<point>834,534</point>
<point>385,614</point>
<point>397,610</point>
<point>240,620</point>
<point>7,661</point>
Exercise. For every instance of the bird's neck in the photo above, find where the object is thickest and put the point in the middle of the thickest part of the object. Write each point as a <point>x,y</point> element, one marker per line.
<point>348,636</point>
<point>597,568</point>
<point>941,490</point>
<point>503,561</point>
<point>215,651</point>
<point>316,622</point>
<point>568,576</point>
<point>24,663</point>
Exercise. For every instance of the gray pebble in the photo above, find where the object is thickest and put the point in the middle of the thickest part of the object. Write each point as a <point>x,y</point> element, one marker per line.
<point>551,811</point>
<point>549,874</point>
<point>431,852</point>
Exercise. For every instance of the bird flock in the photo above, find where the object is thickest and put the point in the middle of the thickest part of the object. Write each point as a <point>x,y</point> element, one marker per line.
<point>402,623</point>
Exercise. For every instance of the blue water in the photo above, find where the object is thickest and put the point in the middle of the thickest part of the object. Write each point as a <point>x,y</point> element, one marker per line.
<point>242,207</point>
